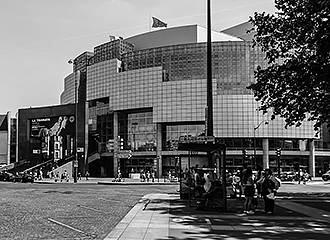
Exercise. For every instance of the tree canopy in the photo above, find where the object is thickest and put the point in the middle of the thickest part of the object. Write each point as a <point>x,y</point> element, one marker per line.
<point>295,40</point>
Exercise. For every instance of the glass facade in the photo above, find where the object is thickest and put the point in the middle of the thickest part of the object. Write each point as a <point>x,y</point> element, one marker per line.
<point>137,131</point>
<point>166,87</point>
<point>172,133</point>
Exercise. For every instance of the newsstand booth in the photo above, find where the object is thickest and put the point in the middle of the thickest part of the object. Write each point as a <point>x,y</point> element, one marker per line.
<point>216,153</point>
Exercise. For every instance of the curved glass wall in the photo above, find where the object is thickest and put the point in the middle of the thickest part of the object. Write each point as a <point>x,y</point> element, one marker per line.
<point>233,63</point>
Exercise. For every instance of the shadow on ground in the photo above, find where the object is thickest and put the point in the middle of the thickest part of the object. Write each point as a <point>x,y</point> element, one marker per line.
<point>190,224</point>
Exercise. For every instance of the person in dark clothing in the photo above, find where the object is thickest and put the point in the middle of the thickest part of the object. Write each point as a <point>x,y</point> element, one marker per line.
<point>249,190</point>
<point>268,191</point>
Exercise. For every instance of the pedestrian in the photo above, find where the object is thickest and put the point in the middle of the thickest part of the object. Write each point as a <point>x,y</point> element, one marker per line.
<point>258,186</point>
<point>300,176</point>
<point>57,176</point>
<point>249,191</point>
<point>305,177</point>
<point>87,175</point>
<point>153,176</point>
<point>148,176</point>
<point>268,192</point>
<point>119,175</point>
<point>79,175</point>
<point>40,174</point>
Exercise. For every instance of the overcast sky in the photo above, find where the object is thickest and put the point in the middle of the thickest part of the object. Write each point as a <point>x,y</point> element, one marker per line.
<point>38,37</point>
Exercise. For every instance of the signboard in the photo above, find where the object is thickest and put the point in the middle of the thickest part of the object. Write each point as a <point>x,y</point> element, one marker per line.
<point>52,126</point>
<point>75,163</point>
<point>53,137</point>
<point>80,149</point>
<point>36,151</point>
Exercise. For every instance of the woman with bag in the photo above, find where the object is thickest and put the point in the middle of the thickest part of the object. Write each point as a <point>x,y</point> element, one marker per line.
<point>268,190</point>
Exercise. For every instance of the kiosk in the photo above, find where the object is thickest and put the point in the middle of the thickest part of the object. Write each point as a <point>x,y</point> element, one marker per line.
<point>215,171</point>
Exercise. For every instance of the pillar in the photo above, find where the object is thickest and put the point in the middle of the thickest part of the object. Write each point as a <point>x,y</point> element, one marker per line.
<point>116,143</point>
<point>159,149</point>
<point>311,161</point>
<point>265,155</point>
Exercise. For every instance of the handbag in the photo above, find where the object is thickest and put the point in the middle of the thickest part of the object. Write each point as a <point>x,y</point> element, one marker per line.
<point>271,196</point>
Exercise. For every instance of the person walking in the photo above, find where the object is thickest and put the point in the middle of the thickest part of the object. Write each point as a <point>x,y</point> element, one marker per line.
<point>249,191</point>
<point>86,175</point>
<point>148,176</point>
<point>300,176</point>
<point>153,176</point>
<point>40,174</point>
<point>268,192</point>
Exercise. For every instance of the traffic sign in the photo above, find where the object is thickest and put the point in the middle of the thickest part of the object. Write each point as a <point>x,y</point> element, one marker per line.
<point>75,163</point>
<point>80,149</point>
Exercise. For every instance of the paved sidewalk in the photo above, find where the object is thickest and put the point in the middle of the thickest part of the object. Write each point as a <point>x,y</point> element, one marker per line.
<point>164,216</point>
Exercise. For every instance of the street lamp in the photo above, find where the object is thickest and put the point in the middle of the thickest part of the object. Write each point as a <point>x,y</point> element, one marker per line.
<point>76,85</point>
<point>254,141</point>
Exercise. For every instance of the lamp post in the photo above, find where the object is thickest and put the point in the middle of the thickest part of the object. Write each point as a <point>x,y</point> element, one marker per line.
<point>254,142</point>
<point>76,85</point>
<point>209,100</point>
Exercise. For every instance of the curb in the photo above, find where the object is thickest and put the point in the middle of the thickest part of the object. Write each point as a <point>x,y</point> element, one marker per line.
<point>120,228</point>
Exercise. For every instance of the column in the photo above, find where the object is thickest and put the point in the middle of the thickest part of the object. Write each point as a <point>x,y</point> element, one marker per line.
<point>311,161</point>
<point>265,155</point>
<point>159,149</point>
<point>116,143</point>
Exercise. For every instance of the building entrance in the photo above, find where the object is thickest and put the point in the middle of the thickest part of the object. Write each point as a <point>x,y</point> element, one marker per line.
<point>136,165</point>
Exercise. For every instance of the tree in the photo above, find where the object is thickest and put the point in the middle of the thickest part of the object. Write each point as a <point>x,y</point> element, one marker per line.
<point>295,83</point>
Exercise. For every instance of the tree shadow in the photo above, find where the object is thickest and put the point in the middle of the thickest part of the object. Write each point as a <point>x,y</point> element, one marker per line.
<point>187,222</point>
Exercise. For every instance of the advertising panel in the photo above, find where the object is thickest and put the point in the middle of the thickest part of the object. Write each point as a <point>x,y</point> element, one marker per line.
<point>55,135</point>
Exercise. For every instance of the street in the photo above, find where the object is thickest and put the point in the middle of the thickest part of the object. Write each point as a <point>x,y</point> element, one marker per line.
<point>66,211</point>
<point>92,211</point>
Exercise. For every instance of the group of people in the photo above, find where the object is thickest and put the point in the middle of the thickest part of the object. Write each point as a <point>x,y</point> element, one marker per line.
<point>303,176</point>
<point>199,184</point>
<point>147,176</point>
<point>263,185</point>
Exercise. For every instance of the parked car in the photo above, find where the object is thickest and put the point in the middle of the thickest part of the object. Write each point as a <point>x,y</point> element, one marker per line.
<point>23,177</point>
<point>287,176</point>
<point>6,176</point>
<point>326,176</point>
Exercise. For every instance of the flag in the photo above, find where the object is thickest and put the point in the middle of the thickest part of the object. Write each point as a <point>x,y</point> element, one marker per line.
<point>157,23</point>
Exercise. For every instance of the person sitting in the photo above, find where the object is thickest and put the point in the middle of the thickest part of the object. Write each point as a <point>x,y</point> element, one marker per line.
<point>207,194</point>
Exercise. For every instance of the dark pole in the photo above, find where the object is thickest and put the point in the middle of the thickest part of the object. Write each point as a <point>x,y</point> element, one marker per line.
<point>76,127</point>
<point>209,123</point>
<point>254,164</point>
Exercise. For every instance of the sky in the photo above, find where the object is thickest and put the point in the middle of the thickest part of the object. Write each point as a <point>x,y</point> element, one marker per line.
<point>38,37</point>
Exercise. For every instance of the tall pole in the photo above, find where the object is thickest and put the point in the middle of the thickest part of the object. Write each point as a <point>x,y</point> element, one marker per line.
<point>254,164</point>
<point>254,141</point>
<point>75,163</point>
<point>209,119</point>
